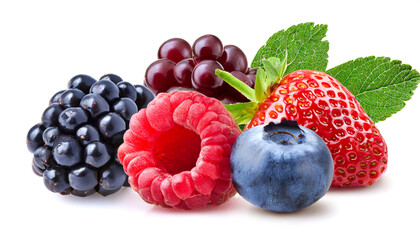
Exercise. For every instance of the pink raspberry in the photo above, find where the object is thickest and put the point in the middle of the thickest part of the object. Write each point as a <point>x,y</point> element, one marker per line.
<point>176,152</point>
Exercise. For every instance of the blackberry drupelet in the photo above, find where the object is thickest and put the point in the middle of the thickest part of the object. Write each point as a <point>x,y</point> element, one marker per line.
<point>75,145</point>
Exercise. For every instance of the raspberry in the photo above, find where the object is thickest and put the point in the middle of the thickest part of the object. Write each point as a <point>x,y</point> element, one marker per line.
<point>176,152</point>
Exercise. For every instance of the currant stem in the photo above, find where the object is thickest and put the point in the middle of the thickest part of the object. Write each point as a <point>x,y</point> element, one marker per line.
<point>237,84</point>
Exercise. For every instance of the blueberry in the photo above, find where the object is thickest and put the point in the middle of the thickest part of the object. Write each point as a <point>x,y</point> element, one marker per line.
<point>112,178</point>
<point>125,107</point>
<point>94,104</point>
<point>56,97</point>
<point>281,167</point>
<point>81,82</point>
<point>55,179</point>
<point>96,154</point>
<point>83,178</point>
<point>67,151</point>
<point>107,89</point>
<point>34,137</point>
<point>71,98</point>
<point>50,115</point>
<point>111,77</point>
<point>87,134</point>
<point>72,118</point>
<point>127,90</point>
<point>50,135</point>
<point>144,96</point>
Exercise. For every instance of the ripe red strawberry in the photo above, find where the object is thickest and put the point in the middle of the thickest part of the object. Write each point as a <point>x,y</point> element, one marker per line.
<point>319,102</point>
<point>176,152</point>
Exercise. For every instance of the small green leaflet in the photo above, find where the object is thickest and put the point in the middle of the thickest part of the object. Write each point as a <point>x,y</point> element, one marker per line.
<point>380,85</point>
<point>302,45</point>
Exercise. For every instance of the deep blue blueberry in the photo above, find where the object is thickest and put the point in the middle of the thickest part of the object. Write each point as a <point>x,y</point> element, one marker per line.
<point>281,167</point>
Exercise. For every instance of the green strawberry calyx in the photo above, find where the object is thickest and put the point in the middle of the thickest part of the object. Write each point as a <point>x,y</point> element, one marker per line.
<point>267,79</point>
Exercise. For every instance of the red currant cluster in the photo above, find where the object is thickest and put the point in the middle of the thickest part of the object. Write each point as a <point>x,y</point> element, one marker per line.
<point>182,67</point>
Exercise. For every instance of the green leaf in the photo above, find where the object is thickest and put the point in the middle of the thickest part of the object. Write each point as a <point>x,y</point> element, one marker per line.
<point>271,71</point>
<point>260,85</point>
<point>380,85</point>
<point>301,44</point>
<point>242,112</point>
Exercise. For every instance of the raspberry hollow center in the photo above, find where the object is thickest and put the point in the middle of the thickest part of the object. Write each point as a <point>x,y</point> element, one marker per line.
<point>178,149</point>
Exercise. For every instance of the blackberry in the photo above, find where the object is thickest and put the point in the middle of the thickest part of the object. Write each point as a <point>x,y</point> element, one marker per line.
<point>75,145</point>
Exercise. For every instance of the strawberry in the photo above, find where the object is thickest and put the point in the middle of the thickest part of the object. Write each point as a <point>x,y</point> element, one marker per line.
<point>319,102</point>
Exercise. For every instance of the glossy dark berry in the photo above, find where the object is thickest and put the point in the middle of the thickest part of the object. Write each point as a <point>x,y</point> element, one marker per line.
<point>82,82</point>
<point>68,142</point>
<point>34,137</point>
<point>204,78</point>
<point>112,179</point>
<point>107,89</point>
<point>160,76</point>
<point>67,151</point>
<point>183,71</point>
<point>50,115</point>
<point>207,47</point>
<point>43,157</point>
<point>110,125</point>
<point>56,180</point>
<point>112,77</point>
<point>56,97</point>
<point>144,96</point>
<point>71,98</point>
<point>125,107</point>
<point>72,118</point>
<point>83,178</point>
<point>96,154</point>
<point>87,134</point>
<point>233,59</point>
<point>38,171</point>
<point>175,49</point>
<point>192,74</point>
<point>50,135</point>
<point>127,90</point>
<point>94,104</point>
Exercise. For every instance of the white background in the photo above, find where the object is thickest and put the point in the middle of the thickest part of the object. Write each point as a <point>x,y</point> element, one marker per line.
<point>44,43</point>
